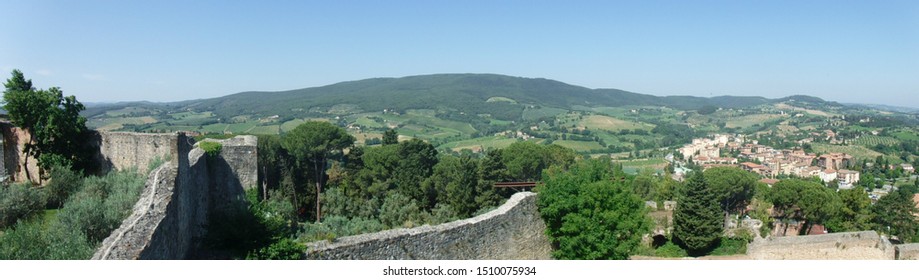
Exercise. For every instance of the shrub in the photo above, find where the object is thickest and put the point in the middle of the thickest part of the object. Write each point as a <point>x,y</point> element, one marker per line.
<point>338,226</point>
<point>87,215</point>
<point>670,250</point>
<point>18,201</point>
<point>284,249</point>
<point>31,240</point>
<point>399,211</point>
<point>64,182</point>
<point>443,213</point>
<point>212,149</point>
<point>24,242</point>
<point>730,246</point>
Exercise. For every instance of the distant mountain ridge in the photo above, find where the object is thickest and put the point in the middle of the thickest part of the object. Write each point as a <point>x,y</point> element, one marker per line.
<point>467,93</point>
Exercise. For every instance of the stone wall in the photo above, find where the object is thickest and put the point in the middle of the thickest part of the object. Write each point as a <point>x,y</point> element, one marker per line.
<point>124,150</point>
<point>14,142</point>
<point>514,232</point>
<point>862,245</point>
<point>908,251</point>
<point>171,216</point>
<point>112,151</point>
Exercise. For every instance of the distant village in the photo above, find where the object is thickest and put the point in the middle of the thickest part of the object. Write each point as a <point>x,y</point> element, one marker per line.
<point>770,163</point>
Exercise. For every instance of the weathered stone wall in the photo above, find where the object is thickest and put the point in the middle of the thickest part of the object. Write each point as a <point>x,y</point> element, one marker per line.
<point>124,150</point>
<point>14,142</point>
<point>514,231</point>
<point>241,155</point>
<point>234,171</point>
<point>908,251</point>
<point>862,245</point>
<point>170,219</point>
<point>112,151</point>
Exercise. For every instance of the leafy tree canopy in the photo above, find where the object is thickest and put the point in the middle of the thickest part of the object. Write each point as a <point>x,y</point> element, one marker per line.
<point>53,121</point>
<point>697,223</point>
<point>590,216</point>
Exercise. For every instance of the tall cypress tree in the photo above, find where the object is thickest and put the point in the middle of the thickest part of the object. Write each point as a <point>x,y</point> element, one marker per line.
<point>697,223</point>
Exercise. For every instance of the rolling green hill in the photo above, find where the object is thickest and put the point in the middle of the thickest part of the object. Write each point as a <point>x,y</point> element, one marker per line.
<point>470,111</point>
<point>467,93</point>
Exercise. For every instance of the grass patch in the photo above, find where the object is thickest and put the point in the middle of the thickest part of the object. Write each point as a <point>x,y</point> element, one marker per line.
<point>730,246</point>
<point>501,99</point>
<point>858,152</point>
<point>579,146</point>
<point>872,140</point>
<point>269,129</point>
<point>481,143</point>
<point>594,122</point>
<point>532,114</point>
<point>750,120</point>
<point>906,135</point>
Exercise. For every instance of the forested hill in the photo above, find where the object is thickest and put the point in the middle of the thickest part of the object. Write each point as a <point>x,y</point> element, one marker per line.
<point>469,93</point>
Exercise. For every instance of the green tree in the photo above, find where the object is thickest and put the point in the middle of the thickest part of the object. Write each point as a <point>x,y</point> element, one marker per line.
<point>800,199</point>
<point>855,212</point>
<point>644,185</point>
<point>734,187</point>
<point>456,182</point>
<point>390,137</point>
<point>590,216</point>
<point>313,143</point>
<point>895,215</point>
<point>526,160</point>
<point>697,223</point>
<point>53,122</point>
<point>416,163</point>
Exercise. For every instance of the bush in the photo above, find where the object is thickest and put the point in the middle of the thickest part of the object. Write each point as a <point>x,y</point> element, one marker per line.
<point>64,183</point>
<point>24,242</point>
<point>31,240</point>
<point>730,246</point>
<point>18,201</point>
<point>284,249</point>
<point>87,215</point>
<point>589,215</point>
<point>670,250</point>
<point>338,226</point>
<point>443,213</point>
<point>399,211</point>
<point>212,149</point>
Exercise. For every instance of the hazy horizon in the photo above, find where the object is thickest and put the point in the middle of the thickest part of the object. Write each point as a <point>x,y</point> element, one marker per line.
<point>100,51</point>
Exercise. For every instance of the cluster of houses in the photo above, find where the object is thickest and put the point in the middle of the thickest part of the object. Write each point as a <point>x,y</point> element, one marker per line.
<point>769,162</point>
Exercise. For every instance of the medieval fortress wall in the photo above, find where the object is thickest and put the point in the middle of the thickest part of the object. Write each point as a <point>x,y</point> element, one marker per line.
<point>514,231</point>
<point>170,217</point>
<point>862,245</point>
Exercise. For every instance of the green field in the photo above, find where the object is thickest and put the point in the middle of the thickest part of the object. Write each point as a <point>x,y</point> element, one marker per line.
<point>532,114</point>
<point>481,143</point>
<point>580,146</point>
<point>858,152</point>
<point>750,120</point>
<point>126,111</point>
<point>116,123</point>
<point>270,129</point>
<point>235,128</point>
<point>610,124</point>
<point>368,123</point>
<point>872,140</point>
<point>191,115</point>
<point>501,99</point>
<point>633,166</point>
<point>906,135</point>
<point>500,122</point>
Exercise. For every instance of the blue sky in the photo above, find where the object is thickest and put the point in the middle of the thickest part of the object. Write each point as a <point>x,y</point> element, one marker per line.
<point>848,51</point>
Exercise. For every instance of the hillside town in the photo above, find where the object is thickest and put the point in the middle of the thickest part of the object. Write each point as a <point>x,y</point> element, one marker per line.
<point>771,164</point>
